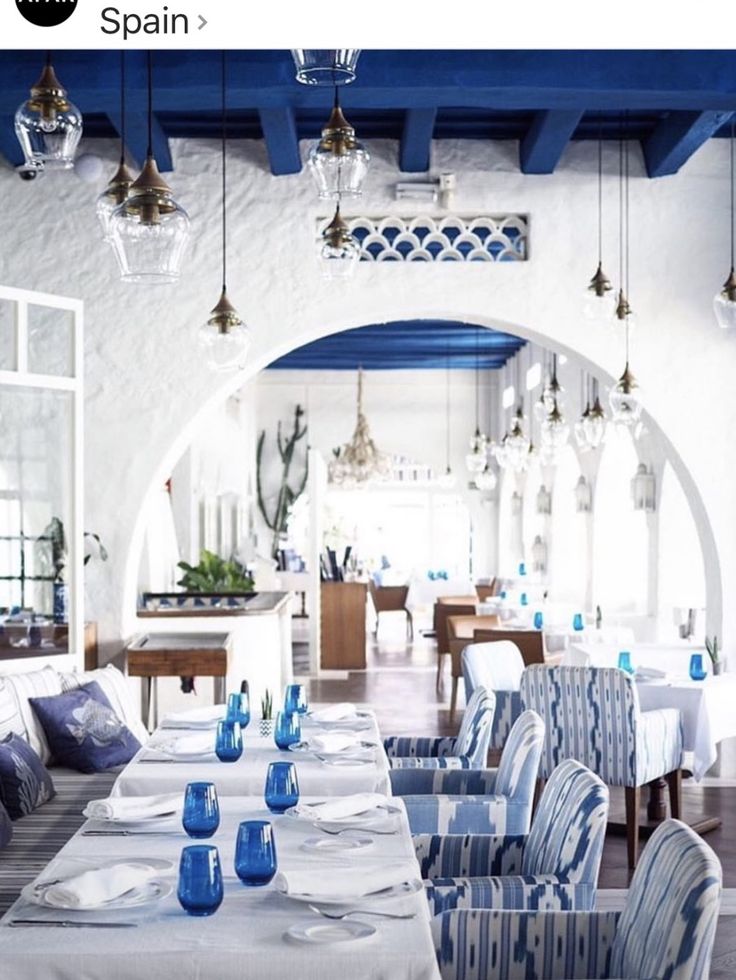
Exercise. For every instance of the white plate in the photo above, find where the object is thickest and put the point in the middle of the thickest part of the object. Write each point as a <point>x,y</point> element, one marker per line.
<point>154,754</point>
<point>379,814</point>
<point>168,817</point>
<point>402,890</point>
<point>336,845</point>
<point>331,933</point>
<point>152,891</point>
<point>346,761</point>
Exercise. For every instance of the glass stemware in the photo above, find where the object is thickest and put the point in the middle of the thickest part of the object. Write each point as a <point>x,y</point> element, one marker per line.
<point>624,662</point>
<point>288,729</point>
<point>577,622</point>
<point>238,709</point>
<point>200,888</point>
<point>282,787</point>
<point>229,743</point>
<point>295,699</point>
<point>524,601</point>
<point>697,671</point>
<point>538,620</point>
<point>201,815</point>
<point>255,853</point>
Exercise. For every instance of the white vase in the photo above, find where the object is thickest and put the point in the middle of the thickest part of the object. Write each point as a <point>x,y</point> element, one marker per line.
<point>265,728</point>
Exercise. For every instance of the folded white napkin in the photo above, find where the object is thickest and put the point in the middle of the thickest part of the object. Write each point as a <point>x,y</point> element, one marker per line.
<point>341,806</point>
<point>200,744</point>
<point>206,717</point>
<point>91,888</point>
<point>333,742</point>
<point>650,673</point>
<point>129,808</point>
<point>335,712</point>
<point>343,882</point>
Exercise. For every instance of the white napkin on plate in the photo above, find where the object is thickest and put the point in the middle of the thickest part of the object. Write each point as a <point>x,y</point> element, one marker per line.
<point>335,712</point>
<point>206,717</point>
<point>650,674</point>
<point>341,806</point>
<point>343,882</point>
<point>92,888</point>
<point>333,742</point>
<point>130,808</point>
<point>200,744</point>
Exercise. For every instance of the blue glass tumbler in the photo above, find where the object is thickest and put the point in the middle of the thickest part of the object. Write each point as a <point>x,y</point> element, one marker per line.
<point>577,622</point>
<point>624,662</point>
<point>229,742</point>
<point>697,671</point>
<point>238,709</point>
<point>524,599</point>
<point>201,816</point>
<point>200,888</point>
<point>282,787</point>
<point>255,853</point>
<point>538,620</point>
<point>288,729</point>
<point>522,568</point>
<point>295,699</point>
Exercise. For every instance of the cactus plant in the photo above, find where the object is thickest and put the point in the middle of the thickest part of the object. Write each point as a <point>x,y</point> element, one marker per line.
<point>267,706</point>
<point>286,497</point>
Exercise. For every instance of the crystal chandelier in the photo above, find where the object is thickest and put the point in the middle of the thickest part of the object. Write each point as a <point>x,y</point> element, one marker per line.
<point>325,67</point>
<point>48,125</point>
<point>600,299</point>
<point>339,162</point>
<point>150,230</point>
<point>117,190</point>
<point>339,249</point>
<point>224,337</point>
<point>477,458</point>
<point>359,462</point>
<point>724,302</point>
<point>555,430</point>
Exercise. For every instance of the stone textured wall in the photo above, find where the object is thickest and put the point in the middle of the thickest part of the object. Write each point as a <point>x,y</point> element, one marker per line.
<point>147,383</point>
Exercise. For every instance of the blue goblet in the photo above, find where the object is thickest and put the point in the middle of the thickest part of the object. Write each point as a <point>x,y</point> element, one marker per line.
<point>577,622</point>
<point>538,620</point>
<point>201,816</point>
<point>288,729</point>
<point>238,709</point>
<point>200,888</point>
<point>229,742</point>
<point>255,853</point>
<point>697,671</point>
<point>295,699</point>
<point>282,787</point>
<point>624,662</point>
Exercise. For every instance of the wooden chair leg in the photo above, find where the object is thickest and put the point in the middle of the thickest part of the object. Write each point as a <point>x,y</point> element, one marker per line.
<point>453,698</point>
<point>439,673</point>
<point>674,783</point>
<point>633,802</point>
<point>375,631</point>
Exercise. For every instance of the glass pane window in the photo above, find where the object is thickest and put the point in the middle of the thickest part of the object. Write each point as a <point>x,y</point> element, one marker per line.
<point>50,341</point>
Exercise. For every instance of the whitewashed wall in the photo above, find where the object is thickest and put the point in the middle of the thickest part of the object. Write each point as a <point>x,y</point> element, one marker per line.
<point>147,384</point>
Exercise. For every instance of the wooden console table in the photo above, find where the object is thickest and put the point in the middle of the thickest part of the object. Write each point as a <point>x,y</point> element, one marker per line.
<point>156,655</point>
<point>343,629</point>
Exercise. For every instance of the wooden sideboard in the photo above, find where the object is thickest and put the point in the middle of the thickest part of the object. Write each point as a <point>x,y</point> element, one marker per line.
<point>343,629</point>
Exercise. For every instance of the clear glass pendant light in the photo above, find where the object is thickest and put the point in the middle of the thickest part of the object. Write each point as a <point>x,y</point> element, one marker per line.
<point>149,231</point>
<point>339,249</point>
<point>555,430</point>
<point>600,299</point>
<point>339,162</point>
<point>595,424</point>
<point>224,337</point>
<point>335,66</point>
<point>724,302</point>
<point>553,393</point>
<point>117,190</point>
<point>48,125</point>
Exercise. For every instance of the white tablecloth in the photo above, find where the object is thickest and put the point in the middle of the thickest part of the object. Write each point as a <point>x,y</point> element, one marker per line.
<point>708,710</point>
<point>243,939</point>
<point>663,656</point>
<point>425,592</point>
<point>247,776</point>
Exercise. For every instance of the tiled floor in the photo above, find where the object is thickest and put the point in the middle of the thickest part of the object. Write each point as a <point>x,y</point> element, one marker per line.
<point>399,683</point>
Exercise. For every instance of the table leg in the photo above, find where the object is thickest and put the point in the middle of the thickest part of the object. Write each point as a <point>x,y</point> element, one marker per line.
<point>148,702</point>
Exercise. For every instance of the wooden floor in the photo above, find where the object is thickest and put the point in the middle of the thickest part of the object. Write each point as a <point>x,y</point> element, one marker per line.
<point>399,684</point>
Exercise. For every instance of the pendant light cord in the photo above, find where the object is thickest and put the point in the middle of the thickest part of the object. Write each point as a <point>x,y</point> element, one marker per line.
<point>122,107</point>
<point>628,241</point>
<point>447,404</point>
<point>732,196</point>
<point>224,171</point>
<point>621,210</point>
<point>477,379</point>
<point>150,104</point>
<point>600,193</point>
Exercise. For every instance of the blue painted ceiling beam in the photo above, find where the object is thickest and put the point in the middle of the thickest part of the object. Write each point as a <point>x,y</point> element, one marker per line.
<point>416,140</point>
<point>136,138</point>
<point>677,137</point>
<point>282,143</point>
<point>550,132</point>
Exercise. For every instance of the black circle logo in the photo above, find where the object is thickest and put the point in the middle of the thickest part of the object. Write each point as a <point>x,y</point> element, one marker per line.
<point>46,13</point>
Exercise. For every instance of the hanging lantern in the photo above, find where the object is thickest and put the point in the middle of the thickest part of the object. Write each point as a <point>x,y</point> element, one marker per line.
<point>517,444</point>
<point>48,125</point>
<point>539,555</point>
<point>625,399</point>
<point>339,250</point>
<point>359,462</point>
<point>339,162</point>
<point>476,460</point>
<point>555,430</point>
<point>643,489</point>
<point>325,67</point>
<point>544,501</point>
<point>553,391</point>
<point>595,424</point>
<point>500,452</point>
<point>583,496</point>
<point>486,481</point>
<point>447,480</point>
<point>581,436</point>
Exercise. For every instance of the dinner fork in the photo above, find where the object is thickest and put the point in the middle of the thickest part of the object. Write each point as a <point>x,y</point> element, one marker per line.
<point>360,830</point>
<point>344,915</point>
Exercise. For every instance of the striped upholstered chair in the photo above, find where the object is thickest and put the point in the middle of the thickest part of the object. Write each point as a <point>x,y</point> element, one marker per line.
<point>555,867</point>
<point>592,714</point>
<point>477,801</point>
<point>467,750</point>
<point>497,667</point>
<point>665,931</point>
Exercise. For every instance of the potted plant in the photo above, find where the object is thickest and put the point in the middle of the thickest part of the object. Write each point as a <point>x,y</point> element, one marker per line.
<point>215,575</point>
<point>714,652</point>
<point>266,725</point>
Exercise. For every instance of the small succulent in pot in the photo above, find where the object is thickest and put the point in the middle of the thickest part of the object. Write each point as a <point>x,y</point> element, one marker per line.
<point>714,652</point>
<point>265,727</point>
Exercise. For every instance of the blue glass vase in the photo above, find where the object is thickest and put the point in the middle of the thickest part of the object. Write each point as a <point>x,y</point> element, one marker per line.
<point>538,620</point>
<point>288,729</point>
<point>229,741</point>
<point>200,890</point>
<point>577,622</point>
<point>624,662</point>
<point>255,853</point>
<point>282,787</point>
<point>697,671</point>
<point>201,814</point>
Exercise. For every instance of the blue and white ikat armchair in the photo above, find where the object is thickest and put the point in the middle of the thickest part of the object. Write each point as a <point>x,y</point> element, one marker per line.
<point>592,714</point>
<point>554,868</point>
<point>477,801</point>
<point>665,932</point>
<point>467,750</point>
<point>497,667</point>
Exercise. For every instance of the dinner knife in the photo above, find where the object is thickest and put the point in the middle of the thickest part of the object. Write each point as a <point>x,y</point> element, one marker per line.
<point>69,924</point>
<point>129,833</point>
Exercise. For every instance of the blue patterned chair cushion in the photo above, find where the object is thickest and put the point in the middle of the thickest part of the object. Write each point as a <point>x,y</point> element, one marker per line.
<point>497,667</point>
<point>419,746</point>
<point>544,892</point>
<point>449,855</point>
<point>592,714</point>
<point>436,762</point>
<point>467,815</point>
<point>83,731</point>
<point>459,782</point>
<point>6,828</point>
<point>25,783</point>
<point>508,709</point>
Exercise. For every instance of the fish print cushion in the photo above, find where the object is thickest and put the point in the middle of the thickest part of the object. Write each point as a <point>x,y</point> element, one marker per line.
<point>83,730</point>
<point>25,783</point>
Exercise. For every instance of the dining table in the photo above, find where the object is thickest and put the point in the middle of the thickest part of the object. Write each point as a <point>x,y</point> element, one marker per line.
<point>672,657</point>
<point>149,772</point>
<point>250,936</point>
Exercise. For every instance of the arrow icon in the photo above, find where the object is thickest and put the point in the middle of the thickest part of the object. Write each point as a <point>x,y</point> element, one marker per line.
<point>203,24</point>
